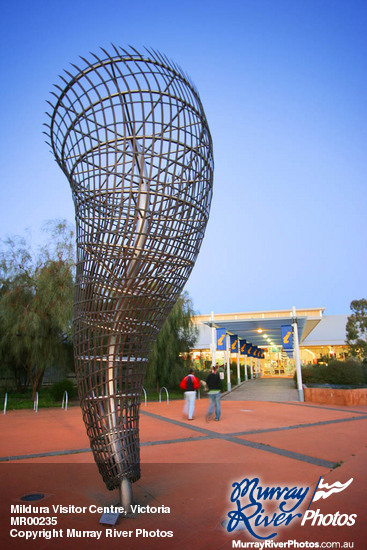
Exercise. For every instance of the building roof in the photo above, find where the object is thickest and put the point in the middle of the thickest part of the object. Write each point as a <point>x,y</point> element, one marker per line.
<point>329,332</point>
<point>313,328</point>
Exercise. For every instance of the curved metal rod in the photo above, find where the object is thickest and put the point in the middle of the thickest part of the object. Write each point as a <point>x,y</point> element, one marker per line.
<point>160,392</point>
<point>145,396</point>
<point>64,403</point>
<point>35,403</point>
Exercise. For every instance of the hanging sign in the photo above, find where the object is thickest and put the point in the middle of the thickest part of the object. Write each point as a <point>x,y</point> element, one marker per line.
<point>287,338</point>
<point>233,343</point>
<point>221,339</point>
<point>242,347</point>
<point>249,350</point>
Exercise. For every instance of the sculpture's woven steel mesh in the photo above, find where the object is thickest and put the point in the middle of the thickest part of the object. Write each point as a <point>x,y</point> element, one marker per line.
<point>130,133</point>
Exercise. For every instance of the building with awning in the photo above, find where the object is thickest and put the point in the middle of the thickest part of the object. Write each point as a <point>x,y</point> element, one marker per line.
<point>319,335</point>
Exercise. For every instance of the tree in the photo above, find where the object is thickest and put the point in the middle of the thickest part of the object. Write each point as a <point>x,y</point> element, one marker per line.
<point>179,334</point>
<point>357,329</point>
<point>36,304</point>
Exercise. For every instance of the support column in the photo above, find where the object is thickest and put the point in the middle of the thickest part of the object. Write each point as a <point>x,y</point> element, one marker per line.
<point>229,387</point>
<point>238,365</point>
<point>252,372</point>
<point>301,396</point>
<point>126,494</point>
<point>246,376</point>
<point>213,345</point>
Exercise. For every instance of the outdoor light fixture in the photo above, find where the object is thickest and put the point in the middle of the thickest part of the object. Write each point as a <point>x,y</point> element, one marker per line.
<point>129,132</point>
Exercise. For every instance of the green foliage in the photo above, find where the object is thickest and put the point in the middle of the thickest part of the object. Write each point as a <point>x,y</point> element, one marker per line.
<point>58,389</point>
<point>203,374</point>
<point>234,377</point>
<point>343,373</point>
<point>357,329</point>
<point>24,400</point>
<point>36,304</point>
<point>167,364</point>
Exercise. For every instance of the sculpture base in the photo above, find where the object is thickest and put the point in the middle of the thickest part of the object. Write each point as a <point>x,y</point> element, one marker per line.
<point>126,494</point>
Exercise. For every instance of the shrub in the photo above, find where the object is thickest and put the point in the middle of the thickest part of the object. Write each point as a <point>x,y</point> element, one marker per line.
<point>343,373</point>
<point>364,370</point>
<point>57,390</point>
<point>349,372</point>
<point>202,374</point>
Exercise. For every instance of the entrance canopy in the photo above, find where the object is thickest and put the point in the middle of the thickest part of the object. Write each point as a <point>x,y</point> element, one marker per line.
<point>264,329</point>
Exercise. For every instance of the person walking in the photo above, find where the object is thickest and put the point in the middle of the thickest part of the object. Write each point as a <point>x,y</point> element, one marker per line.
<point>215,385</point>
<point>190,384</point>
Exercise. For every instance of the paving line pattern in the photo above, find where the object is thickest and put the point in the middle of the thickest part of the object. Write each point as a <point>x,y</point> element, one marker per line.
<point>323,407</point>
<point>210,434</point>
<point>297,426</point>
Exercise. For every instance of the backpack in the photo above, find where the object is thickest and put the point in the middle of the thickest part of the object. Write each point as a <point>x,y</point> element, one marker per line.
<point>189,383</point>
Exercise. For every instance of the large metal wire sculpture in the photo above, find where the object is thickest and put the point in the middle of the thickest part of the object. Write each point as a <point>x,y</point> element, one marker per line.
<point>129,131</point>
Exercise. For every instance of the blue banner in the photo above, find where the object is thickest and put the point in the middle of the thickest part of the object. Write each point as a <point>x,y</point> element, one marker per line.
<point>242,347</point>
<point>221,339</point>
<point>234,343</point>
<point>249,350</point>
<point>287,338</point>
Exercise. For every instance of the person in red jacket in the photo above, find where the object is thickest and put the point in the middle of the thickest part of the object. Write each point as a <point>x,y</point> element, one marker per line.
<point>190,384</point>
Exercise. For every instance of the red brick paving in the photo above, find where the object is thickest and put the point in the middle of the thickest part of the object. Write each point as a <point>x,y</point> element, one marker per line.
<point>192,477</point>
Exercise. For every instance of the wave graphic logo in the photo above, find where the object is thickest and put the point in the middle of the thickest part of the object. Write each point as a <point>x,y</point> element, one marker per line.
<point>324,490</point>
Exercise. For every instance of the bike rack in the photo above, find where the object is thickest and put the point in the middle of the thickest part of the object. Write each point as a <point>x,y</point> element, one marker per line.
<point>5,402</point>
<point>160,391</point>
<point>64,404</point>
<point>35,404</point>
<point>145,396</point>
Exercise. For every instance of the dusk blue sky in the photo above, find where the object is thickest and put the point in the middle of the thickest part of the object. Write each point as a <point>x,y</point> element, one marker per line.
<point>283,84</point>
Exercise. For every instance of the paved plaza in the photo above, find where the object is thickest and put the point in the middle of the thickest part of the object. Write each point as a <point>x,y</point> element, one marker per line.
<point>265,389</point>
<point>189,468</point>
